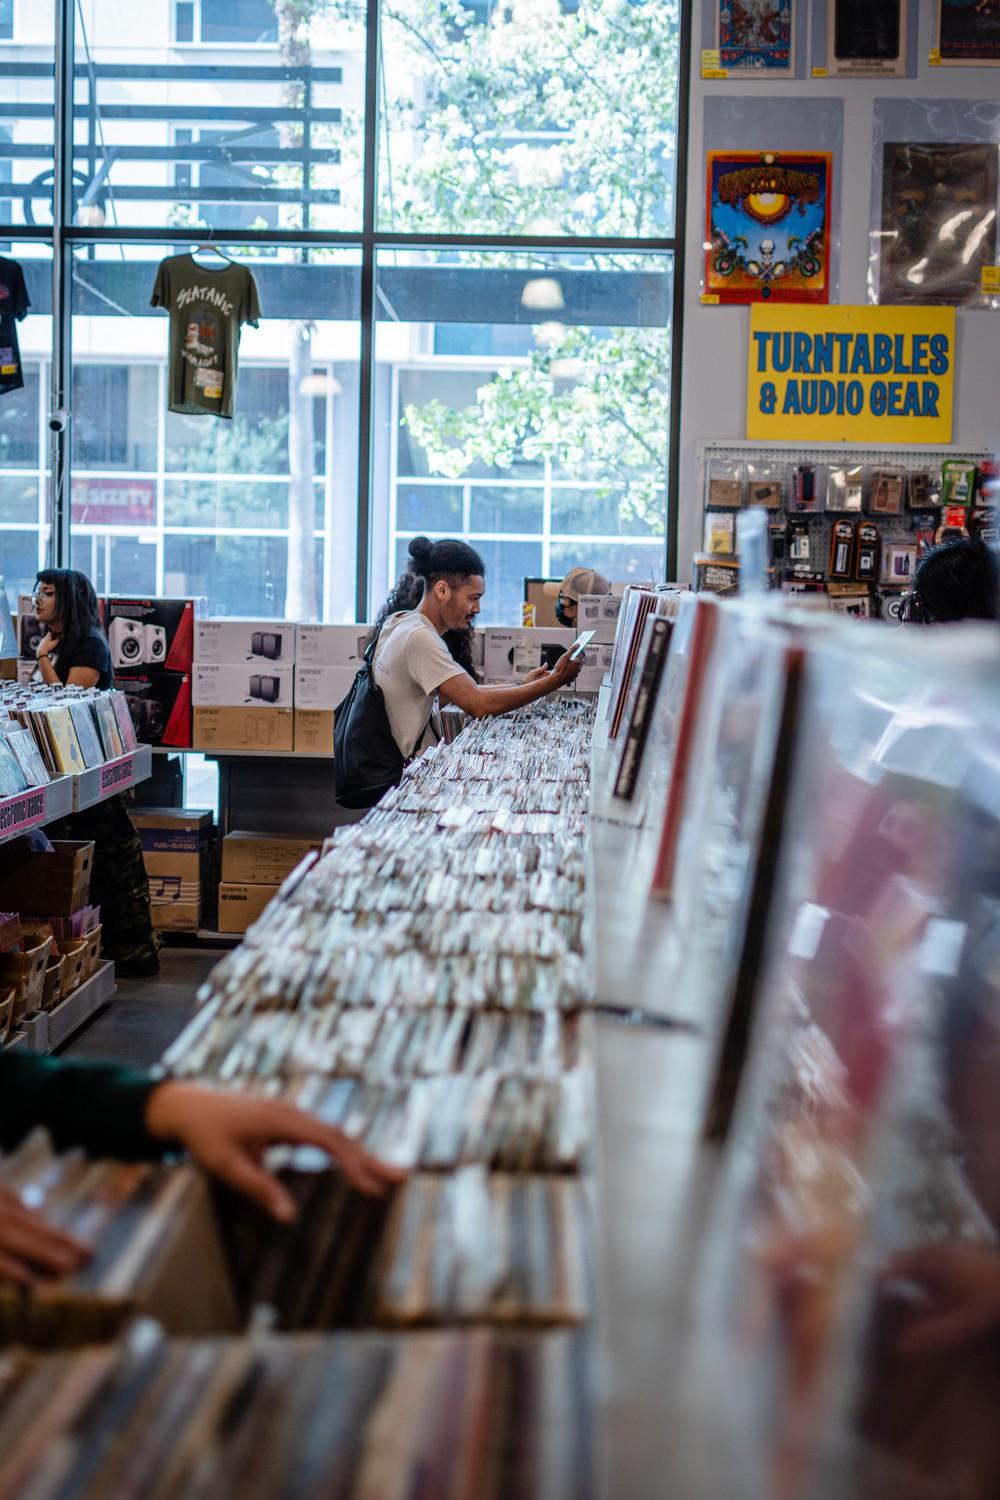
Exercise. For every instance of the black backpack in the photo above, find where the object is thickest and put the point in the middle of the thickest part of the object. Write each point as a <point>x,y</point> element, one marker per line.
<point>366,759</point>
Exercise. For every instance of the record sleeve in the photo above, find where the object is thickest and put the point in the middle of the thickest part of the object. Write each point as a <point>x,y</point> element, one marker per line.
<point>126,728</point>
<point>66,747</point>
<point>12,779</point>
<point>28,756</point>
<point>939,222</point>
<point>768,226</point>
<point>108,724</point>
<point>82,714</point>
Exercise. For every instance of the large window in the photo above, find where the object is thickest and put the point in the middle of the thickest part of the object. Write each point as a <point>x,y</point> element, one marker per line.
<point>257,513</point>
<point>531,416</point>
<point>467,301</point>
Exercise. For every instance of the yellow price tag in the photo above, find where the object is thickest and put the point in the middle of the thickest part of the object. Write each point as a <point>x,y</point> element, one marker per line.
<point>935,58</point>
<point>8,369</point>
<point>711,57</point>
<point>710,299</point>
<point>714,73</point>
<point>821,72</point>
<point>991,279</point>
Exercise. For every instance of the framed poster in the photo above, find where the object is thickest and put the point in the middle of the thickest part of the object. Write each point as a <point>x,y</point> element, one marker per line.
<point>939,222</point>
<point>969,33</point>
<point>756,37</point>
<point>768,230</point>
<point>866,38</point>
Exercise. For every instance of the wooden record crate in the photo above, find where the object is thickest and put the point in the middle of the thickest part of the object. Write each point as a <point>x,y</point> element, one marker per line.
<point>7,998</point>
<point>55,882</point>
<point>26,972</point>
<point>92,952</point>
<point>54,970</point>
<point>74,954</point>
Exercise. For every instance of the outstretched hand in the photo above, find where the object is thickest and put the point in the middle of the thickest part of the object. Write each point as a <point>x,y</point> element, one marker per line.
<point>228,1134</point>
<point>30,1249</point>
<point>566,670</point>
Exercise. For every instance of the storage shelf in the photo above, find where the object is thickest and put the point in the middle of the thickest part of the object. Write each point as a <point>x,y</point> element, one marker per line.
<point>36,806</point>
<point>243,754</point>
<point>50,1029</point>
<point>66,794</point>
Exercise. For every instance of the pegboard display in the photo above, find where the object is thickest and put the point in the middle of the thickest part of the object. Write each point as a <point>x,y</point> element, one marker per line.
<point>872,556</point>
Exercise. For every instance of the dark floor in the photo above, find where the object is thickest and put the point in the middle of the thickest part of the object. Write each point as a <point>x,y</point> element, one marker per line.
<point>146,1015</point>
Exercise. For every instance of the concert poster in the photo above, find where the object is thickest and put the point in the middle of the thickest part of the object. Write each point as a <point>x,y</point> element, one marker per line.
<point>768,229</point>
<point>969,33</point>
<point>756,37</point>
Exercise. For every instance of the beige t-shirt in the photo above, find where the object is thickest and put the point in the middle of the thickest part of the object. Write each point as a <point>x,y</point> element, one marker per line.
<point>411,662</point>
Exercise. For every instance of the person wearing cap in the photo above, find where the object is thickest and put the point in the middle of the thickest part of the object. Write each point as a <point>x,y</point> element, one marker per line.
<point>567,594</point>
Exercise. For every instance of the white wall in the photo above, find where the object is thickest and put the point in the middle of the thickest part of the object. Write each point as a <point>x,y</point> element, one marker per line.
<point>716,338</point>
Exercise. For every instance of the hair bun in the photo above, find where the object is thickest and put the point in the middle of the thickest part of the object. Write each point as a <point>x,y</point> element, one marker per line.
<point>420,552</point>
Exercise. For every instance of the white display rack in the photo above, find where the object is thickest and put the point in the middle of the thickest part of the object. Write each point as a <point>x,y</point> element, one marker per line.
<point>877,455</point>
<point>50,1029</point>
<point>243,754</point>
<point>94,786</point>
<point>37,805</point>
<point>66,794</point>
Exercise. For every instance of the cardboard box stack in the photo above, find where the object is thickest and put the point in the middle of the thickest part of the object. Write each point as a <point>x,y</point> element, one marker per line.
<point>175,850</point>
<point>244,685</point>
<point>50,935</point>
<point>152,644</point>
<point>253,867</point>
<point>327,658</point>
<point>509,655</point>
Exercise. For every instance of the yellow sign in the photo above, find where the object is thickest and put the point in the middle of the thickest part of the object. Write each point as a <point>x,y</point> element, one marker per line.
<point>991,279</point>
<point>851,374</point>
<point>821,72</point>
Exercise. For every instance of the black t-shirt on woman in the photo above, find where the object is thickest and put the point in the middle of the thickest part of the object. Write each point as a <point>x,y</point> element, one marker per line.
<point>93,652</point>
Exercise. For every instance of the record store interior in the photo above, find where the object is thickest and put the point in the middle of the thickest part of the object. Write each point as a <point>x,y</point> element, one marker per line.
<point>499,750</point>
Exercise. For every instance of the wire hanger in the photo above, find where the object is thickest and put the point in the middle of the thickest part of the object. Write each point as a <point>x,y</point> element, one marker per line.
<point>213,250</point>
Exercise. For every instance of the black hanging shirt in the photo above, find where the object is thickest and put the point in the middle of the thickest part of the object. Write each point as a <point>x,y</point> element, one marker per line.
<point>14,304</point>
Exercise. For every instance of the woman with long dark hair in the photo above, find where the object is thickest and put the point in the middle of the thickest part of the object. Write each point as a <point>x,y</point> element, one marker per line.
<point>75,651</point>
<point>440,593</point>
<point>74,648</point>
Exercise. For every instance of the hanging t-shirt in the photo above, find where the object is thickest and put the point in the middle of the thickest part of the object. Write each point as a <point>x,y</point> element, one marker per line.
<point>14,304</point>
<point>207,309</point>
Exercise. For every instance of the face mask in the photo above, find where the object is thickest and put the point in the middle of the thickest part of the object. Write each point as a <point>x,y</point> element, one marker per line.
<point>562,616</point>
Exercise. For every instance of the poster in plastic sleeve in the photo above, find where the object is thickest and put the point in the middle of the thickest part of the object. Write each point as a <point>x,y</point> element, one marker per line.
<point>768,226</point>
<point>968,33</point>
<point>866,38</point>
<point>938,222</point>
